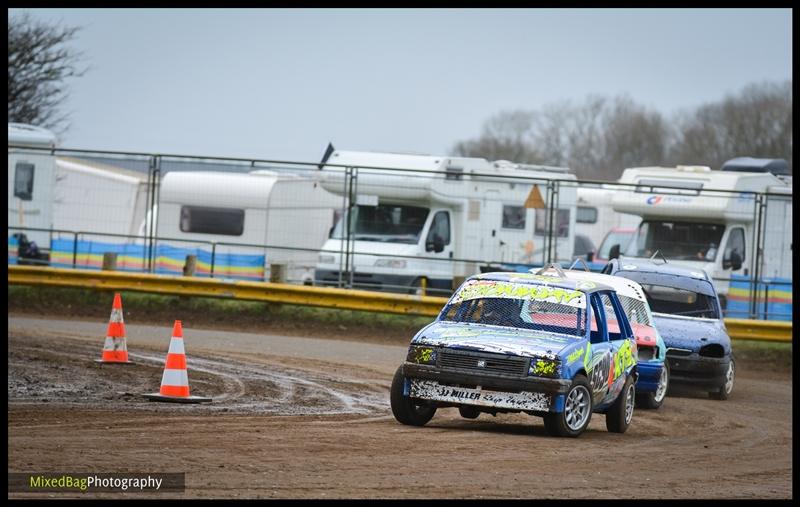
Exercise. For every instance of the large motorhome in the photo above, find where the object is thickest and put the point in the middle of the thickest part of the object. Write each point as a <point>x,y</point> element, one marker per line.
<point>691,225</point>
<point>31,181</point>
<point>442,222</point>
<point>286,217</point>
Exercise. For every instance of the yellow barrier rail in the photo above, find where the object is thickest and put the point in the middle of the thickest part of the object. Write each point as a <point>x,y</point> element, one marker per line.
<point>763,330</point>
<point>326,297</point>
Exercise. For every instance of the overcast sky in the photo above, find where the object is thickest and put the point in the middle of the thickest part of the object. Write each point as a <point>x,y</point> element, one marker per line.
<point>280,84</point>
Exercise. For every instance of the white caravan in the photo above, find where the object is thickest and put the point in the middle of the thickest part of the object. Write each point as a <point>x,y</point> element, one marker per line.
<point>93,197</point>
<point>261,208</point>
<point>31,180</point>
<point>434,226</point>
<point>711,231</point>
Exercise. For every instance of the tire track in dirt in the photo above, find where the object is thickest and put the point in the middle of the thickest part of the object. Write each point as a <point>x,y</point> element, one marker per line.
<point>235,385</point>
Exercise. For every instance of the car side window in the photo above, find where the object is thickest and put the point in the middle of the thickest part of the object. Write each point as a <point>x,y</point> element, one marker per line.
<point>612,319</point>
<point>618,326</point>
<point>597,333</point>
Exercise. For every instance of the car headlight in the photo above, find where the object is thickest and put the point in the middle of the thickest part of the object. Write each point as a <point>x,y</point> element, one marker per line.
<point>390,263</point>
<point>421,355</point>
<point>326,259</point>
<point>542,367</point>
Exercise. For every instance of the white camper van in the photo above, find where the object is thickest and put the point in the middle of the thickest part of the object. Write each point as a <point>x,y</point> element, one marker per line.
<point>262,208</point>
<point>98,198</point>
<point>715,232</point>
<point>407,227</point>
<point>31,179</point>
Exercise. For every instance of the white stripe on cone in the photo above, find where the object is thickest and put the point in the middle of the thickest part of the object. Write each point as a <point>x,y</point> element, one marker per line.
<point>175,378</point>
<point>176,346</point>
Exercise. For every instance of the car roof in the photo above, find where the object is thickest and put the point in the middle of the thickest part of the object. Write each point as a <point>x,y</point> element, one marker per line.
<point>646,265</point>
<point>670,275</point>
<point>623,286</point>
<point>548,280</point>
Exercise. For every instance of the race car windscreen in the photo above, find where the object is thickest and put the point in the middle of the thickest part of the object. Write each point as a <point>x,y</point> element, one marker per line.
<point>672,301</point>
<point>520,313</point>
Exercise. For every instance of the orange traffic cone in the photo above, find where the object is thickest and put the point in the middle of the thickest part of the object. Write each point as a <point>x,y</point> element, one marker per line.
<point>175,381</point>
<point>115,351</point>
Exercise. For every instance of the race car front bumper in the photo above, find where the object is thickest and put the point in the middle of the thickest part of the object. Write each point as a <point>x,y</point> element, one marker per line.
<point>451,386</point>
<point>696,371</point>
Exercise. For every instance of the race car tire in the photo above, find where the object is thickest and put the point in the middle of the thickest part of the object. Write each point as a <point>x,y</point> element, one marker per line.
<point>654,400</point>
<point>406,410</point>
<point>724,391</point>
<point>620,414</point>
<point>577,413</point>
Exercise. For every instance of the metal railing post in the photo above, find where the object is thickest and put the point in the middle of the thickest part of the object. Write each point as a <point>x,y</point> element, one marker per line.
<point>75,250</point>
<point>213,257</point>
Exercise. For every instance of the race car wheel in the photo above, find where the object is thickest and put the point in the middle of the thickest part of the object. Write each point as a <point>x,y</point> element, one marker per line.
<point>620,415</point>
<point>654,400</point>
<point>411,411</point>
<point>725,389</point>
<point>577,411</point>
<point>468,412</point>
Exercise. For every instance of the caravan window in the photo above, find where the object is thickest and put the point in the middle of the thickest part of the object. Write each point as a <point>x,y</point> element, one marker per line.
<point>202,220</point>
<point>513,217</point>
<point>657,186</point>
<point>586,215</point>
<point>23,181</point>
<point>561,226</point>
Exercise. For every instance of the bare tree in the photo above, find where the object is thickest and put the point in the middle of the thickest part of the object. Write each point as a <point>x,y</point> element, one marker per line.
<point>597,138</point>
<point>756,122</point>
<point>38,64</point>
<point>504,136</point>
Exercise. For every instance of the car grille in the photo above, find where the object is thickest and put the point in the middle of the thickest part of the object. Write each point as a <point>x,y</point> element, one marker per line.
<point>496,364</point>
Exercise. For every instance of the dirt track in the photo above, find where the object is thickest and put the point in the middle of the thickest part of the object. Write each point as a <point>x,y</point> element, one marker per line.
<point>306,418</point>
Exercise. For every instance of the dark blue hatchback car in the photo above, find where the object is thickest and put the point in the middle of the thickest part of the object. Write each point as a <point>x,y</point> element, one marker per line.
<point>688,316</point>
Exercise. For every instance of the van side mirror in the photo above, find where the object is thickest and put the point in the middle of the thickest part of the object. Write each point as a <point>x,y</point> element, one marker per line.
<point>613,253</point>
<point>590,257</point>
<point>437,245</point>
<point>732,261</point>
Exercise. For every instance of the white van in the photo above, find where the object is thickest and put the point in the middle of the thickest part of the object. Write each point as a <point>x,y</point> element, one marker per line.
<point>712,231</point>
<point>445,221</point>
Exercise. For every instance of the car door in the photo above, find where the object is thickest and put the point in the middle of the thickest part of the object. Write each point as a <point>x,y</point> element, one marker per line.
<point>601,356</point>
<point>620,338</point>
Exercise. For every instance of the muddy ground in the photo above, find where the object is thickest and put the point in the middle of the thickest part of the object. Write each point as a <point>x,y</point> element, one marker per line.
<point>299,417</point>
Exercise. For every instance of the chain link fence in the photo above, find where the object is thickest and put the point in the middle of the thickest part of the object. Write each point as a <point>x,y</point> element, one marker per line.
<point>402,223</point>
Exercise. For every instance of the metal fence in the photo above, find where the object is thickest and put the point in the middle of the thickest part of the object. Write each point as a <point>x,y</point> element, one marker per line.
<point>395,223</point>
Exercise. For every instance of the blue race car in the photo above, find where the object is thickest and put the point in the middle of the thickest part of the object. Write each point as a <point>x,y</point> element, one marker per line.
<point>653,382</point>
<point>688,316</point>
<point>520,342</point>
